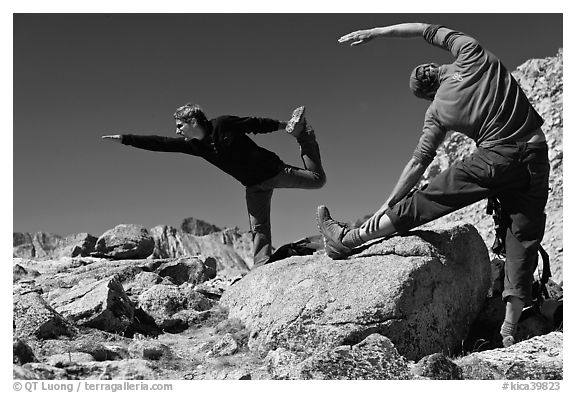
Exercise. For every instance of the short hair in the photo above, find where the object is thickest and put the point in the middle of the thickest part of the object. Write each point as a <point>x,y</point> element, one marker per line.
<point>424,80</point>
<point>190,111</point>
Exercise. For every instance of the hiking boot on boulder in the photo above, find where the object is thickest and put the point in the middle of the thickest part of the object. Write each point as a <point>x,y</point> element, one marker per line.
<point>332,233</point>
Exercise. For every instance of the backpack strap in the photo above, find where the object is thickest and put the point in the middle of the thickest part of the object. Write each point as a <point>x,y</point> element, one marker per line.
<point>546,273</point>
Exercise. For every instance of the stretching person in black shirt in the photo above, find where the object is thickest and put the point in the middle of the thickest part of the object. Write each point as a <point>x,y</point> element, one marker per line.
<point>223,142</point>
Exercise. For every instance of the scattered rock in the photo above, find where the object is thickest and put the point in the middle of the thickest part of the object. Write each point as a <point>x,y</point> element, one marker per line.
<point>66,359</point>
<point>189,270</point>
<point>129,369</point>
<point>20,373</point>
<point>373,358</point>
<point>163,302</point>
<point>34,317</point>
<point>437,366</point>
<point>142,281</point>
<point>422,291</point>
<point>148,350</point>
<point>102,351</point>
<point>125,242</point>
<point>280,363</point>
<point>537,358</point>
<point>22,353</point>
<point>102,304</point>
<point>225,346</point>
<point>19,273</point>
<point>45,371</point>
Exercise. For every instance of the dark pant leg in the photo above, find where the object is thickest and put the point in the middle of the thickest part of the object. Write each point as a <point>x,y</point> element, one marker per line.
<point>259,197</point>
<point>483,174</point>
<point>258,201</point>
<point>310,153</point>
<point>527,221</point>
<point>313,175</point>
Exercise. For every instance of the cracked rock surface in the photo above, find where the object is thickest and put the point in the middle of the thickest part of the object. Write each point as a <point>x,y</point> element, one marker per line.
<point>421,291</point>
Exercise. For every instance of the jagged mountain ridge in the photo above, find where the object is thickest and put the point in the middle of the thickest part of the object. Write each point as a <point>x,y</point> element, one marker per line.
<point>231,247</point>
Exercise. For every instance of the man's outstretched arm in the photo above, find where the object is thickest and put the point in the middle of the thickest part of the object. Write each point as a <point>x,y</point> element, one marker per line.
<point>154,143</point>
<point>402,30</point>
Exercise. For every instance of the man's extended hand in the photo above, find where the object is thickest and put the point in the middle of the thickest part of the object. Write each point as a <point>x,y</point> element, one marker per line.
<point>357,37</point>
<point>114,138</point>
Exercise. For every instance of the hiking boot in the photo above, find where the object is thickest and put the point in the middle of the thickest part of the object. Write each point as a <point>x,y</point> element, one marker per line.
<point>508,341</point>
<point>332,233</point>
<point>297,122</point>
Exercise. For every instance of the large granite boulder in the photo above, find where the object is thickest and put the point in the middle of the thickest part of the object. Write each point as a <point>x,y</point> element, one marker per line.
<point>422,291</point>
<point>540,357</point>
<point>125,242</point>
<point>102,305</point>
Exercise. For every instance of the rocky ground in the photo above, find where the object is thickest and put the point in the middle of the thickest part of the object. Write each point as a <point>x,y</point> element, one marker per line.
<point>182,303</point>
<point>398,309</point>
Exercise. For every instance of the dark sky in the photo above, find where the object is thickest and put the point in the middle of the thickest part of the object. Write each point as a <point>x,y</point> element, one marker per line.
<point>80,76</point>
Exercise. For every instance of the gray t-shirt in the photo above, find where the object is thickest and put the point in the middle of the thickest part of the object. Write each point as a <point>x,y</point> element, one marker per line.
<point>477,97</point>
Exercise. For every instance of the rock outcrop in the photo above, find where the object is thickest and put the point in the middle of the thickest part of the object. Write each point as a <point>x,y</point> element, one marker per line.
<point>438,367</point>
<point>422,291</point>
<point>373,358</point>
<point>197,227</point>
<point>537,358</point>
<point>33,316</point>
<point>225,247</point>
<point>171,307</point>
<point>102,304</point>
<point>125,242</point>
<point>230,247</point>
<point>48,245</point>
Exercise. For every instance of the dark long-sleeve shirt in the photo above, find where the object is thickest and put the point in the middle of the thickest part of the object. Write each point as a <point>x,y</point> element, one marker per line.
<point>226,146</point>
<point>477,97</point>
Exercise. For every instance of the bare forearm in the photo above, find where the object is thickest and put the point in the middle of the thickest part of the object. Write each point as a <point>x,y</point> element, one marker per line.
<point>402,30</point>
<point>412,172</point>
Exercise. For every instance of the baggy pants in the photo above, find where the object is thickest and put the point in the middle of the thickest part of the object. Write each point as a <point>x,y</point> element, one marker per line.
<point>259,196</point>
<point>517,174</point>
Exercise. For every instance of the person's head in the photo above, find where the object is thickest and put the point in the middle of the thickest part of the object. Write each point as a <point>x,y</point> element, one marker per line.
<point>424,81</point>
<point>191,122</point>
